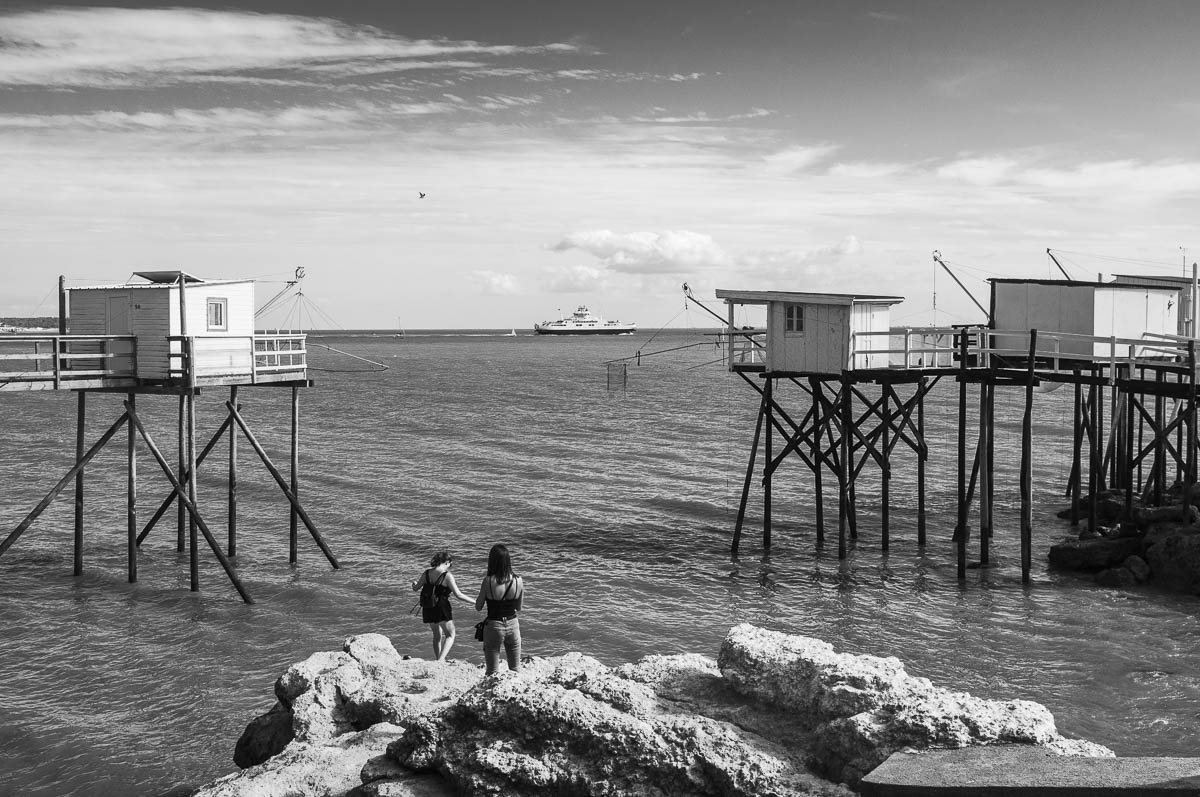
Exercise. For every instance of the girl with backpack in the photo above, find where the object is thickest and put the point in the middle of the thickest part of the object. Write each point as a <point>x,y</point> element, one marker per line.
<point>436,585</point>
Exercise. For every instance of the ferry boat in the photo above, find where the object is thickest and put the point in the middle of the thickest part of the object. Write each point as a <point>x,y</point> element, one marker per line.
<point>582,322</point>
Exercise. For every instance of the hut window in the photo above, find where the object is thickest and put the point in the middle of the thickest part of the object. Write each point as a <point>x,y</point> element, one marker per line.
<point>218,320</point>
<point>793,315</point>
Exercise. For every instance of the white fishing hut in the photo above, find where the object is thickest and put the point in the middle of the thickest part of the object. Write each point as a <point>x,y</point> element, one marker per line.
<point>815,333</point>
<point>1084,318</point>
<point>1187,295</point>
<point>164,309</point>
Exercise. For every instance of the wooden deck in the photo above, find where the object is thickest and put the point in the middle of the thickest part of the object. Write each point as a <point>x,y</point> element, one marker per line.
<point>932,351</point>
<point>110,362</point>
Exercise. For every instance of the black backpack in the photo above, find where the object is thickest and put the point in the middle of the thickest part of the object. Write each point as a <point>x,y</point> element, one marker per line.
<point>428,598</point>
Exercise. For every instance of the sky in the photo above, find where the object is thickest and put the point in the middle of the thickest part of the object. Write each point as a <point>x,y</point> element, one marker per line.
<point>597,153</point>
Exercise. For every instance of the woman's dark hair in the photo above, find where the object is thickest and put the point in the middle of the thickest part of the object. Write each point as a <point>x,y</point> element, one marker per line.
<point>439,557</point>
<point>500,564</point>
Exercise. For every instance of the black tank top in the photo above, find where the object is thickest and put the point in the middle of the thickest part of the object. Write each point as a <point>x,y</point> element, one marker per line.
<point>503,608</point>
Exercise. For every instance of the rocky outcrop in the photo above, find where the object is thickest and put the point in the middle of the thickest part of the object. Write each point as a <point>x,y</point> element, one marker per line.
<point>861,709</point>
<point>572,726</point>
<point>1158,544</point>
<point>773,715</point>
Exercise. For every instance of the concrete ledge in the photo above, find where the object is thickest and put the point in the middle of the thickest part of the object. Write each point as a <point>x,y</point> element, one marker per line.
<point>1008,770</point>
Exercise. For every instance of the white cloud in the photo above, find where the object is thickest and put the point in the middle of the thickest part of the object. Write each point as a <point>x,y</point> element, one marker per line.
<point>978,171</point>
<point>668,252</point>
<point>863,170</point>
<point>795,159</point>
<point>123,46</point>
<point>574,279</point>
<point>493,283</point>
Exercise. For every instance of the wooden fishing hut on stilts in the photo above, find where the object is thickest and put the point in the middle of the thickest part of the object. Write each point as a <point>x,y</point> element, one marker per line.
<point>819,352</point>
<point>168,334</point>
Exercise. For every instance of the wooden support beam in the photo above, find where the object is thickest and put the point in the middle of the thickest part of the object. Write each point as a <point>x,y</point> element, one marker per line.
<point>184,475</point>
<point>845,474</point>
<point>262,454</point>
<point>960,529</point>
<point>1075,482</point>
<point>985,503</point>
<point>181,539</point>
<point>188,503</point>
<point>818,466</point>
<point>233,472</point>
<point>1190,465</point>
<point>766,481</point>
<point>1027,468</point>
<point>741,514</point>
<point>80,424</point>
<point>295,473</point>
<point>885,476</point>
<point>922,455</point>
<point>131,497</point>
<point>189,348</point>
<point>79,465</point>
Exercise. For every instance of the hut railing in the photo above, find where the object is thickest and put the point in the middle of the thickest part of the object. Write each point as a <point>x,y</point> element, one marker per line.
<point>938,347</point>
<point>747,348</point>
<point>67,359</point>
<point>238,355</point>
<point>280,352</point>
<point>906,347</point>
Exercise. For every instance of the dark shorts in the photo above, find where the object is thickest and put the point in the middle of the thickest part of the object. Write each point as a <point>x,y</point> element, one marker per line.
<point>437,614</point>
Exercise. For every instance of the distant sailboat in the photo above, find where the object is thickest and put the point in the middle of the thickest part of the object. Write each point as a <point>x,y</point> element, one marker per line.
<point>512,334</point>
<point>399,327</point>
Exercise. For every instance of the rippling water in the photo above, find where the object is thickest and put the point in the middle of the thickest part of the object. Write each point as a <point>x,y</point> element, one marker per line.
<point>619,509</point>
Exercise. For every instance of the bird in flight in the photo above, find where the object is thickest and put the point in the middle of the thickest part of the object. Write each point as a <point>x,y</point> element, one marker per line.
<point>420,194</point>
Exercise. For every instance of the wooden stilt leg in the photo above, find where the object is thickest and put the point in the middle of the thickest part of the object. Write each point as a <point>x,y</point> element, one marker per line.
<point>885,473</point>
<point>189,505</point>
<point>769,408</point>
<point>1027,466</point>
<point>131,499</point>
<point>283,485</point>
<point>922,455</point>
<point>985,498</point>
<point>818,421</point>
<point>80,423</point>
<point>233,476</point>
<point>62,484</point>
<point>193,541</point>
<point>960,530</point>
<point>181,539</point>
<point>846,467</point>
<point>741,515</point>
<point>295,473</point>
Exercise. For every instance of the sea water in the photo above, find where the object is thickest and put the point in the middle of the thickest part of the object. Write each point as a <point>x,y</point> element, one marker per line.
<point>618,506</point>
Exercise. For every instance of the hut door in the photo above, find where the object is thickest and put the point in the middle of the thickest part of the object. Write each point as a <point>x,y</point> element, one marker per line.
<point>116,315</point>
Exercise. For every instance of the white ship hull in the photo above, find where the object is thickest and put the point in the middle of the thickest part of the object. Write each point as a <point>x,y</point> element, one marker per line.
<point>582,322</point>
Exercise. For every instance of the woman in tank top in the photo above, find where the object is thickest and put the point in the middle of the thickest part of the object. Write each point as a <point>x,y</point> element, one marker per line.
<point>440,617</point>
<point>502,591</point>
